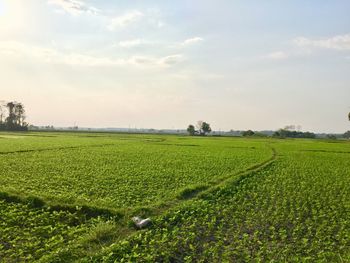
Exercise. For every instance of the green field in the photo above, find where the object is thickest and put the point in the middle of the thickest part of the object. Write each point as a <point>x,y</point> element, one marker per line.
<point>71,196</point>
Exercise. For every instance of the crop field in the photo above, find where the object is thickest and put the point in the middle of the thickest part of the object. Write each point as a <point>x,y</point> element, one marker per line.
<point>68,197</point>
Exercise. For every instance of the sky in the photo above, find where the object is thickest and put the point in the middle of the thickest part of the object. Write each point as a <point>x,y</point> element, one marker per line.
<point>238,65</point>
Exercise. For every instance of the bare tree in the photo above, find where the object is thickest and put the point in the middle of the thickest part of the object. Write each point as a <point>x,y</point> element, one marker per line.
<point>290,127</point>
<point>2,111</point>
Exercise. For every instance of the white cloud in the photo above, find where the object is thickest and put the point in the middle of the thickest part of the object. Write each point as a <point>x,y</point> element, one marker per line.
<point>166,61</point>
<point>142,60</point>
<point>133,43</point>
<point>125,20</point>
<point>51,55</point>
<point>305,46</point>
<point>192,41</point>
<point>152,17</point>
<point>19,50</point>
<point>171,60</point>
<point>340,42</point>
<point>159,24</point>
<point>278,55</point>
<point>74,7</point>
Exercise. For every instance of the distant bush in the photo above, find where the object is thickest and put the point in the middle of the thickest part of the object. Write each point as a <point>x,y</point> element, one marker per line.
<point>331,137</point>
<point>283,133</point>
<point>347,135</point>
<point>248,133</point>
<point>259,134</point>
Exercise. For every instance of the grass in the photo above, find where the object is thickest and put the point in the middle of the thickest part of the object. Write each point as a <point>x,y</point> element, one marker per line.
<point>210,199</point>
<point>124,171</point>
<point>295,209</point>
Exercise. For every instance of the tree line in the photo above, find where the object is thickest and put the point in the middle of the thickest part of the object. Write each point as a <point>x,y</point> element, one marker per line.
<point>285,133</point>
<point>203,128</point>
<point>12,116</point>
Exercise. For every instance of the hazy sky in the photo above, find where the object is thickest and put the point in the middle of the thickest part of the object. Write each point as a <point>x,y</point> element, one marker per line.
<point>164,64</point>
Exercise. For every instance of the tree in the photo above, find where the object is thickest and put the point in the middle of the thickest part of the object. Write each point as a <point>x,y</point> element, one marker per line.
<point>283,133</point>
<point>2,114</point>
<point>204,128</point>
<point>199,126</point>
<point>277,134</point>
<point>349,116</point>
<point>191,130</point>
<point>248,133</point>
<point>11,119</point>
<point>331,136</point>
<point>347,135</point>
<point>290,127</point>
<point>15,120</point>
<point>19,113</point>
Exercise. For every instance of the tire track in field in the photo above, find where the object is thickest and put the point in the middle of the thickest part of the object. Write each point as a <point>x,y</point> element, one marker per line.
<point>242,175</point>
<point>238,177</point>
